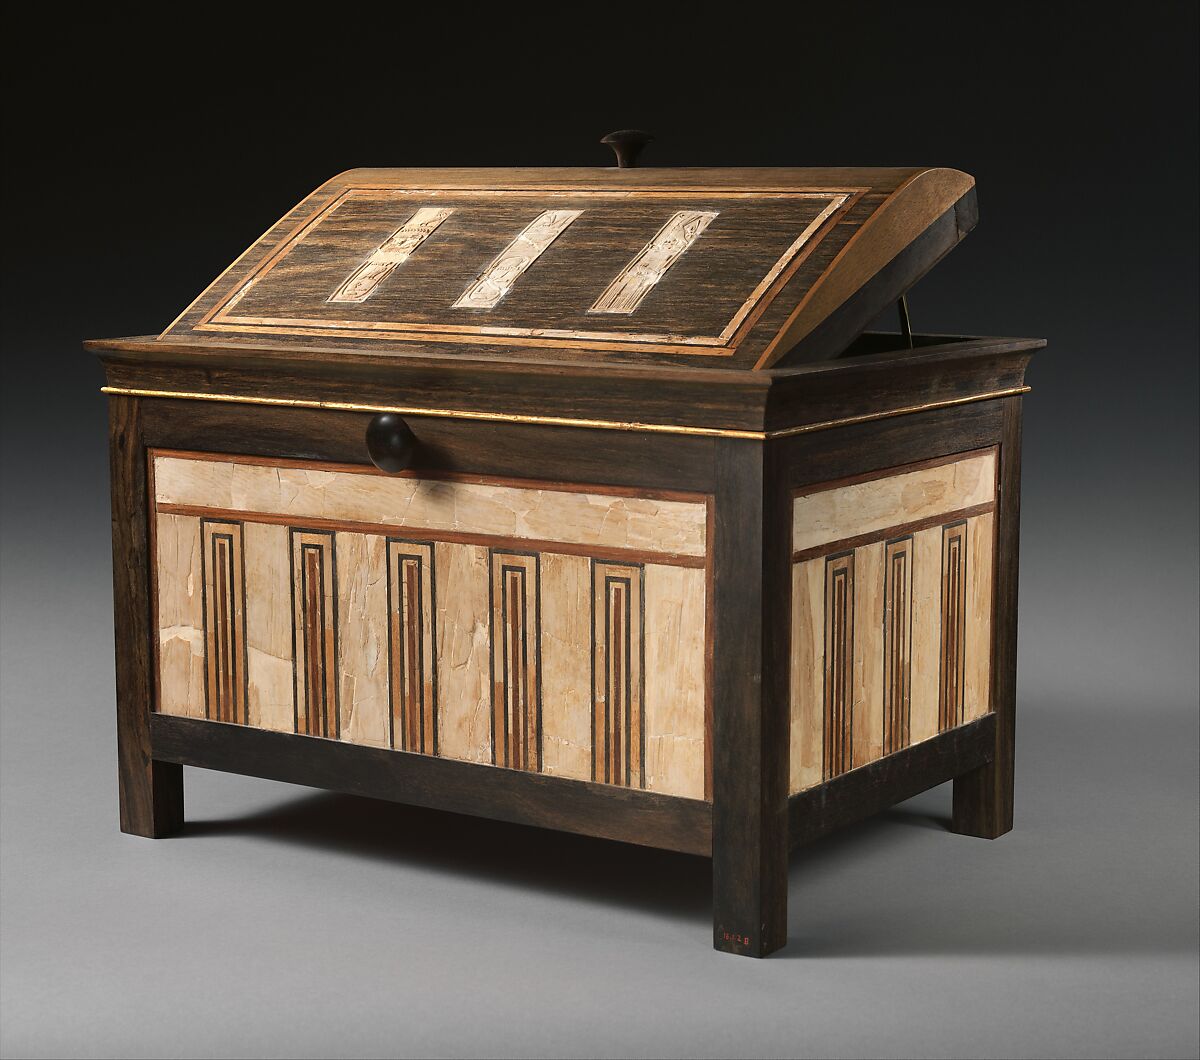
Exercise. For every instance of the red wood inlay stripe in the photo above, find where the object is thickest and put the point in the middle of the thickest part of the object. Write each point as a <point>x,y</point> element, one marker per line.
<point>618,723</point>
<point>839,663</point>
<point>516,661</point>
<point>897,642</point>
<point>953,625</point>
<point>224,621</point>
<point>314,580</point>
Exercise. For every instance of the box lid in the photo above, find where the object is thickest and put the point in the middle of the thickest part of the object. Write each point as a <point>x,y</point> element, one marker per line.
<point>736,268</point>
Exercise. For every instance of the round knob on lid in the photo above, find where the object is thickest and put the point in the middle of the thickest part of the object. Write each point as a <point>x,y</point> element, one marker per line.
<point>627,144</point>
<point>391,443</point>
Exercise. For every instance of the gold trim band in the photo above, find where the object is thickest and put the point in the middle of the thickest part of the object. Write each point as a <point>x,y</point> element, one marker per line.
<point>562,421</point>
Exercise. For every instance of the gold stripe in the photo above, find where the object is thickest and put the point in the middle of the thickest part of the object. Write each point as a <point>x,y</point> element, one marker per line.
<point>563,421</point>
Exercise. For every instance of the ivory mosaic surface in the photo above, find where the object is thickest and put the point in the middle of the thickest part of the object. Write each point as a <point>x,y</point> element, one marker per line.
<point>891,613</point>
<point>579,666</point>
<point>433,505</point>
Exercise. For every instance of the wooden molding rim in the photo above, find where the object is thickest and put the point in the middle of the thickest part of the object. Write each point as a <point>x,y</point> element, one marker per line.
<point>564,421</point>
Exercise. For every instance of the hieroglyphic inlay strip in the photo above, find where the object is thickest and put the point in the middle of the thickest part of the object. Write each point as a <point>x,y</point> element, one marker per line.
<point>839,665</point>
<point>897,643</point>
<point>491,285</point>
<point>412,675</point>
<point>953,625</point>
<point>223,577</point>
<point>618,651</point>
<point>314,632</point>
<point>640,276</point>
<point>516,660</point>
<point>393,251</point>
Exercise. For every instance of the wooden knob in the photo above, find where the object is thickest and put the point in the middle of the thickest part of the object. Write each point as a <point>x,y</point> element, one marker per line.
<point>390,442</point>
<point>627,144</point>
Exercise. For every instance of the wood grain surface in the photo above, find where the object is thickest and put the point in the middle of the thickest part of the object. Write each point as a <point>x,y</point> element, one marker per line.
<point>735,267</point>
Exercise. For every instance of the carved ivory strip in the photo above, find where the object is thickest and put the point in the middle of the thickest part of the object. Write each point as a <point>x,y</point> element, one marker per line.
<point>639,277</point>
<point>393,251</point>
<point>491,285</point>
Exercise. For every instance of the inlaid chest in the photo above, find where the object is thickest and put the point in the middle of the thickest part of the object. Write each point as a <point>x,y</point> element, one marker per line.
<point>578,498</point>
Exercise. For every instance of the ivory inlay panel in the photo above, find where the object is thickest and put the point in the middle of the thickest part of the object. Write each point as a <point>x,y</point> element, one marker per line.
<point>844,512</point>
<point>269,627</point>
<point>892,624</point>
<point>180,616</point>
<point>980,560</point>
<point>362,645</point>
<point>668,526</point>
<point>926,634</point>
<point>808,673</point>
<point>573,665</point>
<point>674,680</point>
<point>566,666</point>
<point>867,691</point>
<point>464,649</point>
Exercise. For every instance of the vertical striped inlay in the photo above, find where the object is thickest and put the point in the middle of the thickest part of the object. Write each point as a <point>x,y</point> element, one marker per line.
<point>839,664</point>
<point>643,273</point>
<point>314,633</point>
<point>224,586</point>
<point>412,675</point>
<point>618,653</point>
<point>953,625</point>
<point>491,285</point>
<point>516,661</point>
<point>393,251</point>
<point>897,643</point>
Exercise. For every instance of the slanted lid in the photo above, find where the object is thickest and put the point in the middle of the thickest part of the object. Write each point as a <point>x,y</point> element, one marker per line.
<point>740,268</point>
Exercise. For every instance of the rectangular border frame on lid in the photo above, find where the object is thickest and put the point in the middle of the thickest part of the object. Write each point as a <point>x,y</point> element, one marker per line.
<point>219,317</point>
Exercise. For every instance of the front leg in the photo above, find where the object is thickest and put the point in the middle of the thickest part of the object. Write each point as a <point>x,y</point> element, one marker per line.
<point>151,793</point>
<point>749,741</point>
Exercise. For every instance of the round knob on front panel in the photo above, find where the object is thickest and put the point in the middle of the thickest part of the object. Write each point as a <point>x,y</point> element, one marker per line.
<point>390,442</point>
<point>627,144</point>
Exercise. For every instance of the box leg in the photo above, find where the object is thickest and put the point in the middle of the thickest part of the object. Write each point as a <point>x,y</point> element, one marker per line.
<point>983,798</point>
<point>151,796</point>
<point>749,742</point>
<point>151,793</point>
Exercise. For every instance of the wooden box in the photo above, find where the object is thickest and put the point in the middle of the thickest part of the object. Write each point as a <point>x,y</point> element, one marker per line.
<point>581,499</point>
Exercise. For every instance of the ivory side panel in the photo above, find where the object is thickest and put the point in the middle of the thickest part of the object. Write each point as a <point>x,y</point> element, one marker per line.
<point>866,507</point>
<point>463,652</point>
<point>180,617</point>
<point>926,634</point>
<point>980,543</point>
<point>674,680</point>
<point>808,669</point>
<point>269,627</point>
<point>566,666</point>
<point>924,658</point>
<point>867,694</point>
<point>676,527</point>
<point>362,639</point>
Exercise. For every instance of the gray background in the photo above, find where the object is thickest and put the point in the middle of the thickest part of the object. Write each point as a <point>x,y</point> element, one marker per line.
<point>286,922</point>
